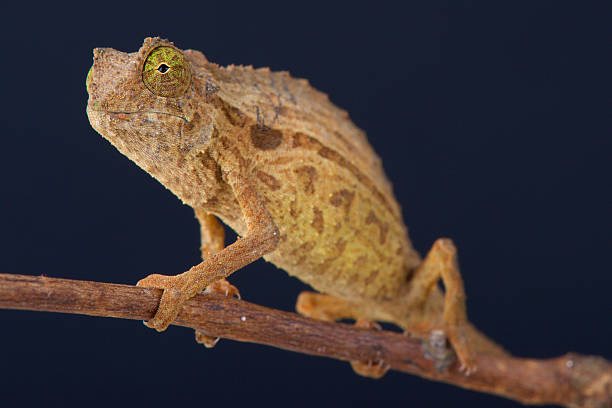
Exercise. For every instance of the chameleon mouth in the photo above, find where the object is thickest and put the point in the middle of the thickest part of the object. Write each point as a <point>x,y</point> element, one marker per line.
<point>126,113</point>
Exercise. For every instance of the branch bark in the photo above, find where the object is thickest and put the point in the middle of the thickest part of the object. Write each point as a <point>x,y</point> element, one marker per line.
<point>572,380</point>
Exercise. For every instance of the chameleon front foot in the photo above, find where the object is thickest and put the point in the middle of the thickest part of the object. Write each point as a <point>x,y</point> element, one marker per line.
<point>371,369</point>
<point>171,302</point>
<point>222,287</point>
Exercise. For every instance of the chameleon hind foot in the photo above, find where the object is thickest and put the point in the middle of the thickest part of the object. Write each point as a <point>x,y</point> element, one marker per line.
<point>371,369</point>
<point>458,339</point>
<point>441,263</point>
<point>323,307</point>
<point>221,287</point>
<point>329,308</point>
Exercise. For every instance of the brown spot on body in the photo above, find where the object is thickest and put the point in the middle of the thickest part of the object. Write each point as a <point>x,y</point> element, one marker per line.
<point>371,218</point>
<point>339,247</point>
<point>224,142</point>
<point>342,198</point>
<point>384,230</point>
<point>233,115</point>
<point>383,227</point>
<point>334,254</point>
<point>234,151</point>
<point>324,266</point>
<point>302,140</point>
<point>207,161</point>
<point>360,262</point>
<point>317,221</point>
<point>270,181</point>
<point>215,133</point>
<point>371,277</point>
<point>210,165</point>
<point>196,175</point>
<point>303,251</point>
<point>293,209</point>
<point>280,161</point>
<point>306,247</point>
<point>265,138</point>
<point>306,177</point>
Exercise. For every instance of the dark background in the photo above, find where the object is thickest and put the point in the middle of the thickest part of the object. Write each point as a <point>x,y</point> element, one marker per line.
<point>493,122</point>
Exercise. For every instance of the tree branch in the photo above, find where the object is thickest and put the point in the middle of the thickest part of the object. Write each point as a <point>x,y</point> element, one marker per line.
<point>571,380</point>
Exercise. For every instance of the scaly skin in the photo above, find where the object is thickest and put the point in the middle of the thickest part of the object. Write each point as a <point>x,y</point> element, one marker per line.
<point>275,160</point>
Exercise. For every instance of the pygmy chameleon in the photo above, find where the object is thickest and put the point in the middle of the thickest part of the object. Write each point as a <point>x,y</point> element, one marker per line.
<point>287,170</point>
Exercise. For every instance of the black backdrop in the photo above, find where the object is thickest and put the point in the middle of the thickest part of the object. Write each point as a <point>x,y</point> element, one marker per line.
<point>492,120</point>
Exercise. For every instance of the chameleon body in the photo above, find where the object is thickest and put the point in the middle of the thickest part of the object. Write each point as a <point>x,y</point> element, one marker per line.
<point>286,169</point>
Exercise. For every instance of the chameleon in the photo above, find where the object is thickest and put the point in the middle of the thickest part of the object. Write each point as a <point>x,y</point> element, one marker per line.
<point>275,160</point>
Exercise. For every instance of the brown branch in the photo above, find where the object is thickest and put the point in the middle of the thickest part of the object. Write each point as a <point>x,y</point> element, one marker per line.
<point>571,380</point>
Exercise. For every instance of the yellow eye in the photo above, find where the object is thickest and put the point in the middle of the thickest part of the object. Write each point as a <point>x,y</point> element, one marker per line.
<point>165,72</point>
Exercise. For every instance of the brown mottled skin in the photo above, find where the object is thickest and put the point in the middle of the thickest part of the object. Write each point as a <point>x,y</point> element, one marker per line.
<point>285,168</point>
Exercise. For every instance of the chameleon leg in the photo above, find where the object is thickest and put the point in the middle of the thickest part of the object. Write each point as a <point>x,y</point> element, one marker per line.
<point>261,238</point>
<point>329,308</point>
<point>441,262</point>
<point>212,236</point>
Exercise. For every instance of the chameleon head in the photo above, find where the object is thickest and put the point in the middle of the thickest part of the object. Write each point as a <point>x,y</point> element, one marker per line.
<point>145,104</point>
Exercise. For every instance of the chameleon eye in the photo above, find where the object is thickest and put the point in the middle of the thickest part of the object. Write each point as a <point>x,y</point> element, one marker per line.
<point>165,72</point>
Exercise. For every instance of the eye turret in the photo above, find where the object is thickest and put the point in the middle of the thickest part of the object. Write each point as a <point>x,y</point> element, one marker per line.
<point>165,72</point>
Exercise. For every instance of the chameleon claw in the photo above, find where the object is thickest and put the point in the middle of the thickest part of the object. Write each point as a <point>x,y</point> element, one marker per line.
<point>222,287</point>
<point>467,370</point>
<point>372,369</point>
<point>463,350</point>
<point>206,340</point>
